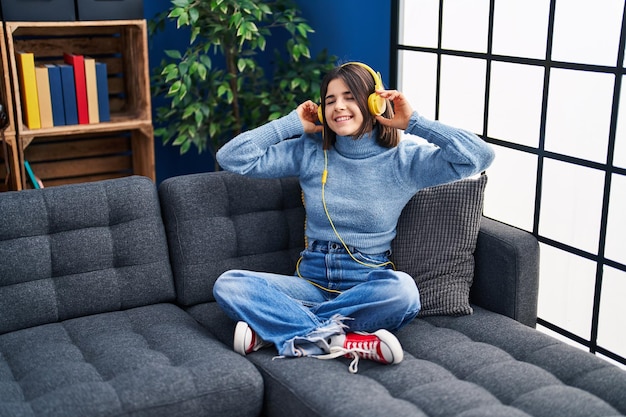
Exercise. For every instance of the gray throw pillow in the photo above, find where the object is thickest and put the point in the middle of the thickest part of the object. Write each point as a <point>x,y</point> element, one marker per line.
<point>435,244</point>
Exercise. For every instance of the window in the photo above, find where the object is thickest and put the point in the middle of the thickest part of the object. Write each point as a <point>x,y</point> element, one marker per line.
<point>542,82</point>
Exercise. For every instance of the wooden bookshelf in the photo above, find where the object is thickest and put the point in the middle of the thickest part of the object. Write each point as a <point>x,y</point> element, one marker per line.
<point>88,152</point>
<point>9,179</point>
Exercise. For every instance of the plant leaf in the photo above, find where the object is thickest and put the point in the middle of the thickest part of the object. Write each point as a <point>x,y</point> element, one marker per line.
<point>179,140</point>
<point>202,71</point>
<point>173,53</point>
<point>194,15</point>
<point>174,88</point>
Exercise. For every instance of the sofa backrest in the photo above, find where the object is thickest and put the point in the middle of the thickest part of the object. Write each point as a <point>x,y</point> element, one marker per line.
<point>219,221</point>
<point>81,249</point>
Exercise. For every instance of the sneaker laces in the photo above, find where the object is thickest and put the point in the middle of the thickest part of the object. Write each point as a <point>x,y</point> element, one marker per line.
<point>365,350</point>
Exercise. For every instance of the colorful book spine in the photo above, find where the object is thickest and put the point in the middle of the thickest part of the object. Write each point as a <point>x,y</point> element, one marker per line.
<point>28,89</point>
<point>78,63</point>
<point>56,95</point>
<point>103,92</point>
<point>69,94</point>
<point>43,94</point>
<point>92,90</point>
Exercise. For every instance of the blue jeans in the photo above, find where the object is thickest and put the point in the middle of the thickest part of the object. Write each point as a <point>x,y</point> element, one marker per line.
<point>298,316</point>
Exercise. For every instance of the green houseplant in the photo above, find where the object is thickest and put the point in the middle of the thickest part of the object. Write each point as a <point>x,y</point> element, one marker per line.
<point>218,86</point>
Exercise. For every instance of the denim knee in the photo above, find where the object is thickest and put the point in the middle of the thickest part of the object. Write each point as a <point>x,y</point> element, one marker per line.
<point>400,289</point>
<point>407,294</point>
<point>225,284</point>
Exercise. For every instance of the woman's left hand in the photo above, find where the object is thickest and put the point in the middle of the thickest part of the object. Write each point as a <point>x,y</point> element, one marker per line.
<point>402,109</point>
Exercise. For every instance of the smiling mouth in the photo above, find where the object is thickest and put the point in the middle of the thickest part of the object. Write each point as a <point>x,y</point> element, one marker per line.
<point>343,118</point>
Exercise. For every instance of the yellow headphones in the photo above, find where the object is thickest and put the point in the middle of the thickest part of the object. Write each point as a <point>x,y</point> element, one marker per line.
<point>375,103</point>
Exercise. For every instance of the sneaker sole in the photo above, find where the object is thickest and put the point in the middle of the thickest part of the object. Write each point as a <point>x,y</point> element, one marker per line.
<point>239,343</point>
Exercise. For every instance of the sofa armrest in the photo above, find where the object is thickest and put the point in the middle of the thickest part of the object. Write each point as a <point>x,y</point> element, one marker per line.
<point>506,275</point>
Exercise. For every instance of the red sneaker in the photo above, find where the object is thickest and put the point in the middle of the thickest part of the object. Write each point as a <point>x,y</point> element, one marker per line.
<point>381,346</point>
<point>246,340</point>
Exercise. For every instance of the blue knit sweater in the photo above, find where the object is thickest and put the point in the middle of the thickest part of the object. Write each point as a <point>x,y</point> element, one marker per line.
<point>367,185</point>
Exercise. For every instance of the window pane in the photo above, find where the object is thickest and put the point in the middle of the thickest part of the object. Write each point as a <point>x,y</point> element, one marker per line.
<point>515,103</point>
<point>571,204</point>
<point>616,226</point>
<point>462,99</point>
<point>418,80</point>
<point>611,334</point>
<point>465,25</point>
<point>419,23</point>
<point>619,157</point>
<point>579,113</point>
<point>566,287</point>
<point>520,28</point>
<point>566,104</point>
<point>587,31</point>
<point>509,196</point>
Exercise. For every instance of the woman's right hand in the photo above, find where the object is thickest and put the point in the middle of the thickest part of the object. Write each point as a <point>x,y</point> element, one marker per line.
<point>307,112</point>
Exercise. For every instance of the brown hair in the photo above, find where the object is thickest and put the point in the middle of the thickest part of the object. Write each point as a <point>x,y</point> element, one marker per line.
<point>361,84</point>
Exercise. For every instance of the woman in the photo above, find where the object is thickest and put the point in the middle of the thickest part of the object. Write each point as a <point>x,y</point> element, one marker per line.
<point>345,297</point>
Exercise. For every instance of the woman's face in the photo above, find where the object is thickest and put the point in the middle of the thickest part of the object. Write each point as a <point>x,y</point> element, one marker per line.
<point>342,112</point>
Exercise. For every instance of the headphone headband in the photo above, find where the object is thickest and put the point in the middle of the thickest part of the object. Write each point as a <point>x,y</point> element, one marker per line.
<point>378,79</point>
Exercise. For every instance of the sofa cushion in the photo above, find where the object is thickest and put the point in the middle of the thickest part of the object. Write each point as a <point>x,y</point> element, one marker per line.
<point>479,365</point>
<point>81,249</point>
<point>218,221</point>
<point>505,370</point>
<point>435,243</point>
<point>148,361</point>
<point>586,374</point>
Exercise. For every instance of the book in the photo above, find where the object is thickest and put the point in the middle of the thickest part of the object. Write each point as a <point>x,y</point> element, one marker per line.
<point>69,94</point>
<point>103,92</point>
<point>92,90</point>
<point>28,89</point>
<point>34,180</point>
<point>56,95</point>
<point>43,94</point>
<point>78,63</point>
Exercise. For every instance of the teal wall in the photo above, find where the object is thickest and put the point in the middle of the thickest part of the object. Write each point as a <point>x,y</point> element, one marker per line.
<point>353,30</point>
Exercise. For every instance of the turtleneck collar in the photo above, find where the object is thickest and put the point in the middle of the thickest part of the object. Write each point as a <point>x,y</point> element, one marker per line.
<point>361,148</point>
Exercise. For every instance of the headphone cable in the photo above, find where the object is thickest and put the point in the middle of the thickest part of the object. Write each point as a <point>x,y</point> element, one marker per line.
<point>332,224</point>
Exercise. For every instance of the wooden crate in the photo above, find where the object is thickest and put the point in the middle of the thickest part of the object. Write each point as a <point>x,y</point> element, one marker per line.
<point>10,180</point>
<point>87,152</point>
<point>89,157</point>
<point>122,45</point>
<point>5,84</point>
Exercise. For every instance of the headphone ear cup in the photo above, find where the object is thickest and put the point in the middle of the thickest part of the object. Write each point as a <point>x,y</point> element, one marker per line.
<point>376,104</point>
<point>320,114</point>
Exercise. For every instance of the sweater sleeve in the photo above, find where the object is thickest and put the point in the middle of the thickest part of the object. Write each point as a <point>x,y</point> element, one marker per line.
<point>264,151</point>
<point>452,154</point>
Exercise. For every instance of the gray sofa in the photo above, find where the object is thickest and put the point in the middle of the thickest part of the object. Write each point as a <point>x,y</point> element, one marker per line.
<point>106,309</point>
